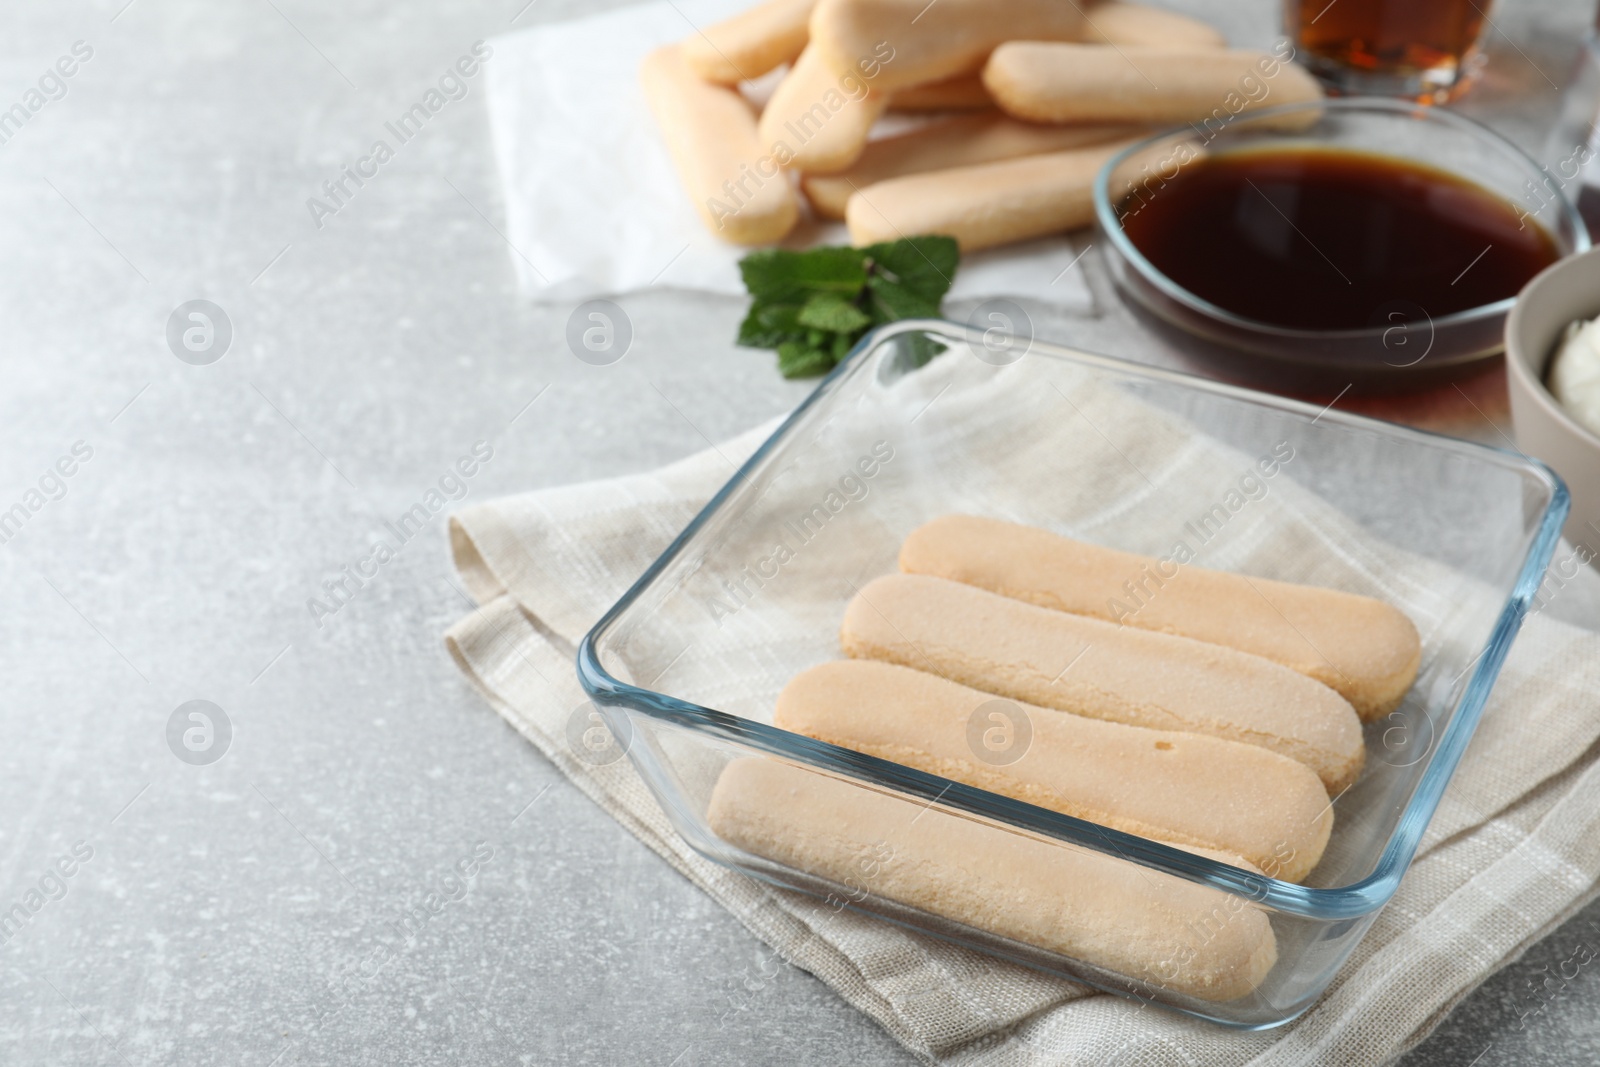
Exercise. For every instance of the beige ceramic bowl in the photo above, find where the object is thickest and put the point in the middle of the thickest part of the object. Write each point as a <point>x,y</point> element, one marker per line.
<point>1560,294</point>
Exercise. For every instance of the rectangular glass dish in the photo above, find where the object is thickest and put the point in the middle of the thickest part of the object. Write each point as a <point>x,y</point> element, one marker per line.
<point>687,666</point>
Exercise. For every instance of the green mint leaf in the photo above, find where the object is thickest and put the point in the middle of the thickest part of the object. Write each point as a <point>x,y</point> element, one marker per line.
<point>767,324</point>
<point>924,266</point>
<point>799,360</point>
<point>813,306</point>
<point>782,276</point>
<point>891,302</point>
<point>834,313</point>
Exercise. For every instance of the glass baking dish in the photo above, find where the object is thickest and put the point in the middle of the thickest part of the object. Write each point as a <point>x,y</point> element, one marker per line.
<point>928,418</point>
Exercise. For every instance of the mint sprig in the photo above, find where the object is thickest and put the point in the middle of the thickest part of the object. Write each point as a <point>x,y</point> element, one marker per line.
<point>813,306</point>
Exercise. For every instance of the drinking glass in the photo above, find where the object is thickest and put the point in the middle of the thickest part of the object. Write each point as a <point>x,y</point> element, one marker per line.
<point>1425,50</point>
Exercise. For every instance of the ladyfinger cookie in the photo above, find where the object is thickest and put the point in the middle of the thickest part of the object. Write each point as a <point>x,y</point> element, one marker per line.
<point>1111,913</point>
<point>1181,788</point>
<point>1137,24</point>
<point>817,120</point>
<point>1364,649</point>
<point>984,204</point>
<point>915,42</point>
<point>1108,23</point>
<point>964,92</point>
<point>750,43</point>
<point>1052,82</point>
<point>710,132</point>
<point>954,142</point>
<point>1104,671</point>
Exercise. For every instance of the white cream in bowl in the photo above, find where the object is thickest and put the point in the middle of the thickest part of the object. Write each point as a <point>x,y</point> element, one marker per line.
<point>1574,377</point>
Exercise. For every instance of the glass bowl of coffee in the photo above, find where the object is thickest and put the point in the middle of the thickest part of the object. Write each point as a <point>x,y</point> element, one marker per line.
<point>1358,242</point>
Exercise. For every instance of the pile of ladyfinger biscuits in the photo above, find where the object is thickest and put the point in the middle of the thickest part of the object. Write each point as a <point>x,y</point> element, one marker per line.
<point>1215,712</point>
<point>1038,95</point>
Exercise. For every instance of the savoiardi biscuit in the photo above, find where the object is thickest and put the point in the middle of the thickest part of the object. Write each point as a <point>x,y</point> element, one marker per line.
<point>1155,928</point>
<point>1096,668</point>
<point>1182,788</point>
<point>742,196</point>
<point>1111,23</point>
<point>916,41</point>
<point>1360,647</point>
<point>984,204</point>
<point>1137,24</point>
<point>818,120</point>
<point>963,92</point>
<point>750,43</point>
<point>959,141</point>
<point>1043,81</point>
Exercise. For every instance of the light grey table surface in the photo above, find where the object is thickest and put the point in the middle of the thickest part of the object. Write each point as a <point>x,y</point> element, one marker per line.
<point>229,913</point>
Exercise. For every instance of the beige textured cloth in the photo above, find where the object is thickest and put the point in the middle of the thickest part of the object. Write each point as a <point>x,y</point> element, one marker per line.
<point>1513,850</point>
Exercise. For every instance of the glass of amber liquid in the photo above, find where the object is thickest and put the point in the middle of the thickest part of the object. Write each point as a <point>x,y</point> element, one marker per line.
<point>1426,50</point>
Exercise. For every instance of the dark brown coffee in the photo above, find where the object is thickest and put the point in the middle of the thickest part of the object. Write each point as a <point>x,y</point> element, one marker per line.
<point>1330,239</point>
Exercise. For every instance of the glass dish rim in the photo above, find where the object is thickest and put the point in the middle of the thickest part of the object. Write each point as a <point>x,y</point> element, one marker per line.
<point>1342,902</point>
<point>1106,218</point>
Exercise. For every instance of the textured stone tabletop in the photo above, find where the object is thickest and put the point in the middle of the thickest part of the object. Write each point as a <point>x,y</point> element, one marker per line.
<point>261,895</point>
